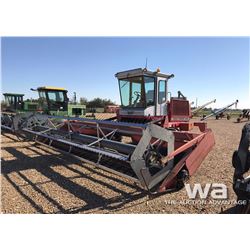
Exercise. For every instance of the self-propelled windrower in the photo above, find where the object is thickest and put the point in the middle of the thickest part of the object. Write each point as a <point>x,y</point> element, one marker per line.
<point>151,141</point>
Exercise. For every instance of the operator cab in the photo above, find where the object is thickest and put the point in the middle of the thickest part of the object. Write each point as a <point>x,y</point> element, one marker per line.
<point>53,99</point>
<point>143,92</point>
<point>144,97</point>
<point>13,101</point>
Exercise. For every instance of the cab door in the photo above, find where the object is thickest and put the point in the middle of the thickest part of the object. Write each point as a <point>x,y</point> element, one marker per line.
<point>161,104</point>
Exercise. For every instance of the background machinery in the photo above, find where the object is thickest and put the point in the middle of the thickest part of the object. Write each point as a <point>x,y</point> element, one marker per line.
<point>151,141</point>
<point>241,164</point>
<point>198,109</point>
<point>15,103</point>
<point>220,113</point>
<point>111,108</point>
<point>244,115</point>
<point>52,100</point>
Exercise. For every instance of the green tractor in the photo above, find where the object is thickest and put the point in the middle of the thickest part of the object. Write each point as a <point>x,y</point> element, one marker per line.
<point>15,103</point>
<point>52,101</point>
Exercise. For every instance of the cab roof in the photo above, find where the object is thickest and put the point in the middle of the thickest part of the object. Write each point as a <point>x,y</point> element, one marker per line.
<point>12,94</point>
<point>141,72</point>
<point>51,88</point>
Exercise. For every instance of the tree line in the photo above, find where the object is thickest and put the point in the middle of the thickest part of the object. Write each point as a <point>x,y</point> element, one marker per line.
<point>96,102</point>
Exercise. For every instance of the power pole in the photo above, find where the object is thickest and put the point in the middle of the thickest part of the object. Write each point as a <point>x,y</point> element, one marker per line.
<point>74,98</point>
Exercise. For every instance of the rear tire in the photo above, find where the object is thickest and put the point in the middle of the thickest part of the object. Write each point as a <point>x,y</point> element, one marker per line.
<point>243,209</point>
<point>182,178</point>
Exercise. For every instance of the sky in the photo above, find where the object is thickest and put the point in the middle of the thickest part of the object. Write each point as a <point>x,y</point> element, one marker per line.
<point>204,68</point>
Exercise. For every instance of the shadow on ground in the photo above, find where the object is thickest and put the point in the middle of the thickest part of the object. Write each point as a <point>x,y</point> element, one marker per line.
<point>44,163</point>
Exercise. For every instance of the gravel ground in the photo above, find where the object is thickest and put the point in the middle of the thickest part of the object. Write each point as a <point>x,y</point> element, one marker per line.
<point>37,179</point>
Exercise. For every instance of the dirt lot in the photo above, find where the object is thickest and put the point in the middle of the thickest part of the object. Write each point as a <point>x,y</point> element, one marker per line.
<point>37,179</point>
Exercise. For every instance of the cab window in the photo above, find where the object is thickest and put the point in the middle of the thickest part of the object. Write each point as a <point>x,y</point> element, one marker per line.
<point>56,96</point>
<point>149,91</point>
<point>162,91</point>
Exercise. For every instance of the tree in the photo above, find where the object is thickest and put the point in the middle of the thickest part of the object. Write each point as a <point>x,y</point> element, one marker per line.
<point>96,102</point>
<point>3,104</point>
<point>99,103</point>
<point>108,102</point>
<point>83,101</point>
